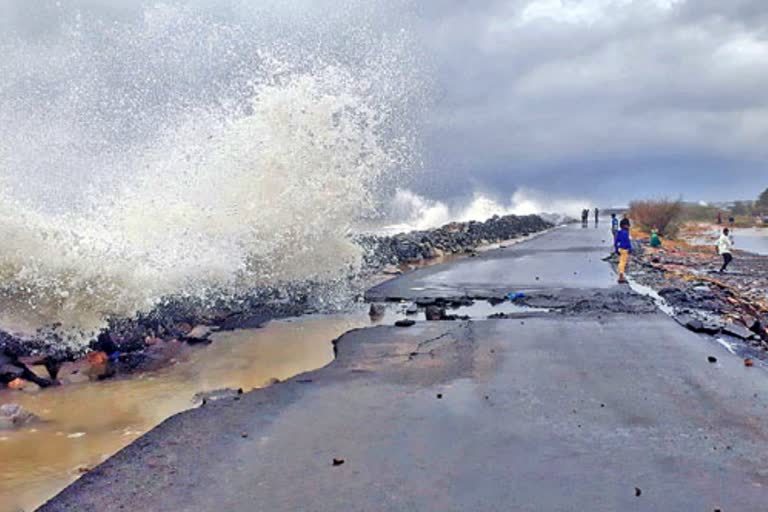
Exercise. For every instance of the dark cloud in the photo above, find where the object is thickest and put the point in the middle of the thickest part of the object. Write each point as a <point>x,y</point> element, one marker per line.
<point>583,97</point>
<point>668,96</point>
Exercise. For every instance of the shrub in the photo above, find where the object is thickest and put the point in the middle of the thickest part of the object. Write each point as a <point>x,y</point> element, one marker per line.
<point>663,215</point>
<point>762,202</point>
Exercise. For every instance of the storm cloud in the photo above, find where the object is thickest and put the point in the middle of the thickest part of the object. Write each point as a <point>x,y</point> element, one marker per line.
<point>612,99</point>
<point>602,99</point>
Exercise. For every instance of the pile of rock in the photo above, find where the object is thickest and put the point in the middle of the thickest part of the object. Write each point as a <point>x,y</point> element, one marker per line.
<point>453,238</point>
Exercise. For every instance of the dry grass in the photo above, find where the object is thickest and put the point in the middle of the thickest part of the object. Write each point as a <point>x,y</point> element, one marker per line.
<point>663,215</point>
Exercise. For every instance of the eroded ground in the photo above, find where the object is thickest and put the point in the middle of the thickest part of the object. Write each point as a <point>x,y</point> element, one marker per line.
<point>588,407</point>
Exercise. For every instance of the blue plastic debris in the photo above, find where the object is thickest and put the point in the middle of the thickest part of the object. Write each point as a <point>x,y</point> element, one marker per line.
<point>517,295</point>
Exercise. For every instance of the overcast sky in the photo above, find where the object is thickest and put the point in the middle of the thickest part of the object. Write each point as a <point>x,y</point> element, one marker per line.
<point>609,99</point>
<point>604,99</point>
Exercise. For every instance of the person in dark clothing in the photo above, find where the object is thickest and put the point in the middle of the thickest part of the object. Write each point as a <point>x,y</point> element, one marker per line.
<point>623,245</point>
<point>597,216</point>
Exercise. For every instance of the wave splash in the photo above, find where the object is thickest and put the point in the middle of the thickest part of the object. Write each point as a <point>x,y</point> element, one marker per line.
<point>255,181</point>
<point>411,211</point>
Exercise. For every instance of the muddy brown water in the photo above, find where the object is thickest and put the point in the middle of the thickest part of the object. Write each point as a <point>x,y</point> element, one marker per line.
<point>83,424</point>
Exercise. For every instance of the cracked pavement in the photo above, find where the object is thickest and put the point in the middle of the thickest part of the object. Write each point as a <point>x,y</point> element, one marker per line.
<point>544,412</point>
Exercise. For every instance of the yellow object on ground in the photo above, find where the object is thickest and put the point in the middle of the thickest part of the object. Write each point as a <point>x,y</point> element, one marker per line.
<point>623,260</point>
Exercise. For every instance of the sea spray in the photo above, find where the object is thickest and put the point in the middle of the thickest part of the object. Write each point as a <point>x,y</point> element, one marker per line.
<point>183,154</point>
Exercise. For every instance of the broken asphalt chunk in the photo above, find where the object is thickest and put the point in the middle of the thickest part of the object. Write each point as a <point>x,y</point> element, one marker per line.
<point>738,331</point>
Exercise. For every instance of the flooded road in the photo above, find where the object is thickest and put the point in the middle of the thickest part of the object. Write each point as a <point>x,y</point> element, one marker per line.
<point>83,424</point>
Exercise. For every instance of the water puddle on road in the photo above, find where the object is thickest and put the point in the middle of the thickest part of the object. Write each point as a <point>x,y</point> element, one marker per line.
<point>83,424</point>
<point>661,303</point>
<point>483,309</point>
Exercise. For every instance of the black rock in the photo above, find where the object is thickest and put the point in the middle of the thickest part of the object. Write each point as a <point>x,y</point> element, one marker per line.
<point>695,325</point>
<point>434,313</point>
<point>9,372</point>
<point>377,310</point>
<point>405,323</point>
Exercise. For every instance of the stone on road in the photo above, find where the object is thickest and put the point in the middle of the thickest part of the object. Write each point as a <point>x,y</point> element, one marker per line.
<point>578,414</point>
<point>599,413</point>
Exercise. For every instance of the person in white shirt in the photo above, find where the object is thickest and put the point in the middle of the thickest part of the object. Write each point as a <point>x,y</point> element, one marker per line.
<point>725,248</point>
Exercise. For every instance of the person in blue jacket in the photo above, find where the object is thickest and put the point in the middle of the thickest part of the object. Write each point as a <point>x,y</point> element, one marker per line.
<point>623,245</point>
<point>614,226</point>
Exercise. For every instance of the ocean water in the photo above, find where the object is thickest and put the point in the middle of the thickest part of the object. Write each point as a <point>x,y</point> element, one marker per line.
<point>752,240</point>
<point>193,149</point>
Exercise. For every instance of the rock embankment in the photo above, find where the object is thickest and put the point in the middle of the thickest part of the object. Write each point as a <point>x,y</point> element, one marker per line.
<point>150,340</point>
<point>453,238</point>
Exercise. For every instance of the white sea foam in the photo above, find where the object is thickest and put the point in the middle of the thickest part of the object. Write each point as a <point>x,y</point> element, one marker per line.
<point>412,211</point>
<point>182,153</point>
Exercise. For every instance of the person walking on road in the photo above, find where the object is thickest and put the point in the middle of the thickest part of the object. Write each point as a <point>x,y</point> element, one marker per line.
<point>614,226</point>
<point>725,248</point>
<point>597,216</point>
<point>623,245</point>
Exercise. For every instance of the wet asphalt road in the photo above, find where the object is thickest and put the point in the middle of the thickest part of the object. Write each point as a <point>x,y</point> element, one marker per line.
<point>552,413</point>
<point>565,259</point>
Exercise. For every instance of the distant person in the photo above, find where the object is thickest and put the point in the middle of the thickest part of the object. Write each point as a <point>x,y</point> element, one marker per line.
<point>584,217</point>
<point>655,239</point>
<point>725,248</point>
<point>597,216</point>
<point>731,220</point>
<point>614,226</point>
<point>719,218</point>
<point>623,245</point>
